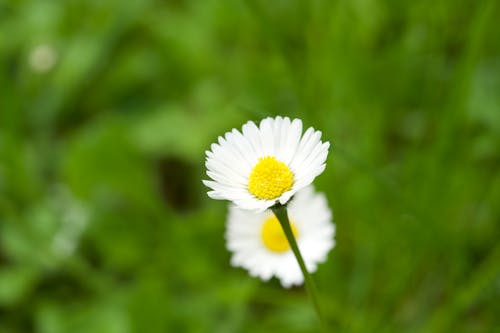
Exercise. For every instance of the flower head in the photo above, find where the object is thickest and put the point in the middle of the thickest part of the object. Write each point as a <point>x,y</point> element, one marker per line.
<point>258,243</point>
<point>264,165</point>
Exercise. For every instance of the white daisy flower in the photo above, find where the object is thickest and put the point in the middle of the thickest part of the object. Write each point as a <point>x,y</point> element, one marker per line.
<point>258,243</point>
<point>264,165</point>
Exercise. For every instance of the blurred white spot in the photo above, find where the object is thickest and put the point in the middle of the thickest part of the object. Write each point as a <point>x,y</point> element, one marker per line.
<point>73,219</point>
<point>63,246</point>
<point>43,58</point>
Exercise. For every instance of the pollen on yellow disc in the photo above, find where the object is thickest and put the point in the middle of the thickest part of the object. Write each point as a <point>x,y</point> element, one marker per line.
<point>270,178</point>
<point>273,236</point>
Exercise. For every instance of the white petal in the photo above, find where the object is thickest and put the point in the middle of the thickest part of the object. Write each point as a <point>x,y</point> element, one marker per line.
<point>267,136</point>
<point>251,132</point>
<point>289,147</point>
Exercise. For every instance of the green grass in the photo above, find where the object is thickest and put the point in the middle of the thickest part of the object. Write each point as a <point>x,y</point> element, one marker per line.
<point>106,227</point>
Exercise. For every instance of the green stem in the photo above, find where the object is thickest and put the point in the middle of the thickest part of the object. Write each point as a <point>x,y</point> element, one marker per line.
<point>281,214</point>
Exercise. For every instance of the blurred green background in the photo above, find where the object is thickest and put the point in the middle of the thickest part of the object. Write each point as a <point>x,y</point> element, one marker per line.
<point>107,107</point>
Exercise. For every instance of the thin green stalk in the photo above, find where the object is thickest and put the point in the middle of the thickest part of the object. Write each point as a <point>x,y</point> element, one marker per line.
<point>281,214</point>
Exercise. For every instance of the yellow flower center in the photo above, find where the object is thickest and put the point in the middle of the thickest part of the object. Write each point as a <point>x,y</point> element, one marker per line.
<point>273,235</point>
<point>270,178</point>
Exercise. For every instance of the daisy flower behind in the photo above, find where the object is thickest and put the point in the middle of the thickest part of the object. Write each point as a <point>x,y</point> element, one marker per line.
<point>258,243</point>
<point>264,165</point>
